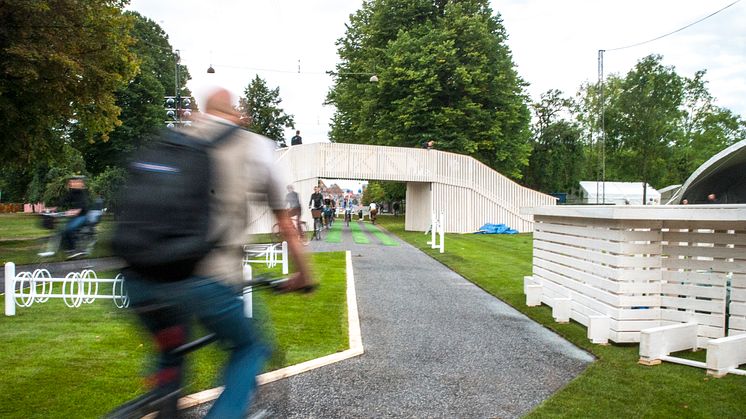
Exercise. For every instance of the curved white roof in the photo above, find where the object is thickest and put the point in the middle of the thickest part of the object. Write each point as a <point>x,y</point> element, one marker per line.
<point>717,175</point>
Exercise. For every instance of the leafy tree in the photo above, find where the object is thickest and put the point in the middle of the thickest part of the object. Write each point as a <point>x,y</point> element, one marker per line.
<point>556,160</point>
<point>60,63</point>
<point>107,185</point>
<point>260,107</point>
<point>141,100</point>
<point>445,73</point>
<point>374,192</point>
<point>706,129</point>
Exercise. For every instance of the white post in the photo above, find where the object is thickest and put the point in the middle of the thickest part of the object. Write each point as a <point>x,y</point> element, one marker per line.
<point>433,230</point>
<point>248,308</point>
<point>285,263</point>
<point>10,289</point>
<point>442,234</point>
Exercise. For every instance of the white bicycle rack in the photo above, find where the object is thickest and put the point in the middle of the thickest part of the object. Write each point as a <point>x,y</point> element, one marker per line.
<point>268,254</point>
<point>26,288</point>
<point>437,232</point>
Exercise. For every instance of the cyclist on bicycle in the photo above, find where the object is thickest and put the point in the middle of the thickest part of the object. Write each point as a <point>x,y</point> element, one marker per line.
<point>329,208</point>
<point>77,203</point>
<point>347,206</point>
<point>316,205</point>
<point>373,212</point>
<point>294,210</point>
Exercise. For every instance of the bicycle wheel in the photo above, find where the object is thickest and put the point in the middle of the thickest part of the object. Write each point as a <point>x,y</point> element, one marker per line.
<point>275,235</point>
<point>302,233</point>
<point>317,226</point>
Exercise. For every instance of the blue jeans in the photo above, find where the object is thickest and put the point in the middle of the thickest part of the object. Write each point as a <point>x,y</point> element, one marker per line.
<point>71,228</point>
<point>166,308</point>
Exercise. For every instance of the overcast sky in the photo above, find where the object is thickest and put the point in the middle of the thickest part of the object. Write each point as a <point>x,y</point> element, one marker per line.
<point>554,44</point>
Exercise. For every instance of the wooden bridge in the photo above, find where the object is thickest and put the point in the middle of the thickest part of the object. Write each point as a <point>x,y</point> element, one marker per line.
<point>467,192</point>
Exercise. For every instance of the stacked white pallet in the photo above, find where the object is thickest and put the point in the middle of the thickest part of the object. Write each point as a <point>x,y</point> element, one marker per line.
<point>609,269</point>
<point>698,260</point>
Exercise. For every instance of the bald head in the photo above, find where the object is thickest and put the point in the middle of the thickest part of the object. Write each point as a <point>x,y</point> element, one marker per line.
<point>219,103</point>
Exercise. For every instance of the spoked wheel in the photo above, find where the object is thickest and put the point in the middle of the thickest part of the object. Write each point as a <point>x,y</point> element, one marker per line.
<point>303,233</point>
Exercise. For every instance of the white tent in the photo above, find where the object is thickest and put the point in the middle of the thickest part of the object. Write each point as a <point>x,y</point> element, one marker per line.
<point>620,193</point>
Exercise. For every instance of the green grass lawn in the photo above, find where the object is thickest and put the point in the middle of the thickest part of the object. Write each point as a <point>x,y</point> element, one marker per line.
<point>22,237</point>
<point>613,386</point>
<point>80,363</point>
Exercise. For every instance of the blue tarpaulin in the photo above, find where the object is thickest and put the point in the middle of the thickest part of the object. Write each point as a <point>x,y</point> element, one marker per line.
<point>495,229</point>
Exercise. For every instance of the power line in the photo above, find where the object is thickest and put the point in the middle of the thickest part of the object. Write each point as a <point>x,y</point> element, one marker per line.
<point>677,30</point>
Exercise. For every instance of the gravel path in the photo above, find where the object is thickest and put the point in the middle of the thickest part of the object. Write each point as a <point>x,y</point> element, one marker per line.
<point>435,346</point>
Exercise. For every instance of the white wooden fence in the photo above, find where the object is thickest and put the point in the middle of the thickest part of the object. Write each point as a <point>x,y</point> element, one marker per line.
<point>644,266</point>
<point>623,269</point>
<point>468,192</point>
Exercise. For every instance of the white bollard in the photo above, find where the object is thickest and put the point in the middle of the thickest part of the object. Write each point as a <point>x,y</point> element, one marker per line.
<point>533,295</point>
<point>433,230</point>
<point>442,234</point>
<point>248,308</point>
<point>561,310</point>
<point>10,289</point>
<point>598,329</point>
<point>285,263</point>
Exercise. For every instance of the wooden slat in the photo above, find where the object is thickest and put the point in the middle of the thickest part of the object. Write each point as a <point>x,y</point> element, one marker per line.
<point>738,294</point>
<point>712,252</point>
<point>609,234</point>
<point>620,248</point>
<point>717,265</point>
<point>737,324</point>
<point>619,261</point>
<point>617,287</point>
<point>692,277</point>
<point>737,309</point>
<point>703,224</point>
<point>714,320</point>
<point>712,306</point>
<point>615,300</point>
<point>719,238</point>
<point>693,291</point>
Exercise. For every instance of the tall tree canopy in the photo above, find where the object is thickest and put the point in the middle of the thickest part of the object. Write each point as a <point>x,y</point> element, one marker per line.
<point>142,99</point>
<point>557,155</point>
<point>60,63</point>
<point>445,73</point>
<point>659,126</point>
<point>260,106</point>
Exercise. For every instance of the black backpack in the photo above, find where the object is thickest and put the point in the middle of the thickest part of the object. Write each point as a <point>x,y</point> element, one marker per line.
<point>162,226</point>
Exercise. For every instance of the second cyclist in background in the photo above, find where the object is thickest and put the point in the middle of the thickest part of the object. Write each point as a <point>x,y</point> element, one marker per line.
<point>316,205</point>
<point>330,209</point>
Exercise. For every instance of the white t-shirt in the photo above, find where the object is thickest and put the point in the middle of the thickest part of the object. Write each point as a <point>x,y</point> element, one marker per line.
<point>373,206</point>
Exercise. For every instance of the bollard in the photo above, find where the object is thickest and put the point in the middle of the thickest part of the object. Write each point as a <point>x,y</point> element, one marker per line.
<point>285,264</point>
<point>598,329</point>
<point>442,234</point>
<point>10,289</point>
<point>533,295</point>
<point>561,310</point>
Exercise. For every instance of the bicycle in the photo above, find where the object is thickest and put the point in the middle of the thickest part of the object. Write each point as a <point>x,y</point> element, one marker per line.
<point>300,225</point>
<point>164,400</point>
<point>85,238</point>
<point>318,223</point>
<point>348,217</point>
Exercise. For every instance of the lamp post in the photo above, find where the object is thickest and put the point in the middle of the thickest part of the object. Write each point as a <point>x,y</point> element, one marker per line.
<point>178,108</point>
